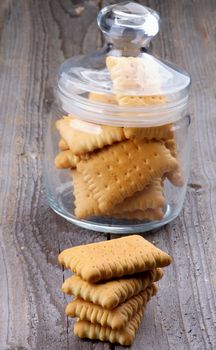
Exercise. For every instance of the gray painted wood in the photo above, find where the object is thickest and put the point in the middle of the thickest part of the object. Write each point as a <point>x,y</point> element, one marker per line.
<point>182,316</point>
<point>36,36</point>
<point>35,39</point>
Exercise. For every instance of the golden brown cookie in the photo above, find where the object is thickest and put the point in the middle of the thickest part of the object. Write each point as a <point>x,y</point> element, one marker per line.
<point>117,172</point>
<point>132,74</point>
<point>66,159</point>
<point>110,294</point>
<point>83,137</point>
<point>103,98</point>
<point>176,176</point>
<point>116,318</point>
<point>115,258</point>
<point>85,203</point>
<point>157,133</point>
<point>151,197</point>
<point>140,100</point>
<point>86,329</point>
<point>63,145</point>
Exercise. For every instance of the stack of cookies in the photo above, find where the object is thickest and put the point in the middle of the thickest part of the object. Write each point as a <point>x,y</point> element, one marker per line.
<point>112,284</point>
<point>119,172</point>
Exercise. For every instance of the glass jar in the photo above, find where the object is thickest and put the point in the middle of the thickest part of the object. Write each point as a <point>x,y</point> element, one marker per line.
<point>117,152</point>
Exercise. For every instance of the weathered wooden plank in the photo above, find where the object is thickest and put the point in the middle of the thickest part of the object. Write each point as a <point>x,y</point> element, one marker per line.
<point>36,36</point>
<point>182,316</point>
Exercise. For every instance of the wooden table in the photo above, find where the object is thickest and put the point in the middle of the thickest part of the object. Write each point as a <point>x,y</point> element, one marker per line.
<point>36,36</point>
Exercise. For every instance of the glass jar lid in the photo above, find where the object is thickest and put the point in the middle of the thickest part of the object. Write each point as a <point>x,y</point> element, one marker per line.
<point>128,28</point>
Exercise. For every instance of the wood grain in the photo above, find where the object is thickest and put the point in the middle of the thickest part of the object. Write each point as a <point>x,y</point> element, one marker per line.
<point>36,36</point>
<point>182,316</point>
<point>31,304</point>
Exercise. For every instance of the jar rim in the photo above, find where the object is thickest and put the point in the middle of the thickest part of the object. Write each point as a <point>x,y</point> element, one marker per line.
<point>115,115</point>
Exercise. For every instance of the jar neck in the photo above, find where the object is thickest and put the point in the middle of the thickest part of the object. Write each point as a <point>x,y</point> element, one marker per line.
<point>124,49</point>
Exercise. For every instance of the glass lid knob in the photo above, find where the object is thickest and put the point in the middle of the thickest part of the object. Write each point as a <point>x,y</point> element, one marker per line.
<point>128,22</point>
